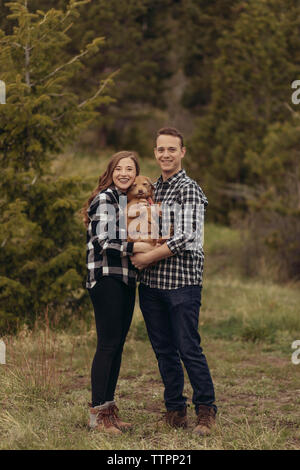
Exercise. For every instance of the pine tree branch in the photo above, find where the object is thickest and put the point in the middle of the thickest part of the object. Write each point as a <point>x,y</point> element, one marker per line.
<point>99,90</point>
<point>44,19</point>
<point>16,44</point>
<point>27,60</point>
<point>74,59</point>
<point>66,16</point>
<point>67,28</point>
<point>294,113</point>
<point>59,94</point>
<point>57,118</point>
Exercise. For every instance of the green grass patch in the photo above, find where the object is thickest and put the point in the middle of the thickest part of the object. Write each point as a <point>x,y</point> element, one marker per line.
<point>251,311</point>
<point>246,326</point>
<point>45,390</point>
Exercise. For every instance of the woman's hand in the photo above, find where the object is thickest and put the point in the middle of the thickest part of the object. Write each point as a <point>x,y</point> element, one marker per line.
<point>139,260</point>
<point>142,260</point>
<point>142,247</point>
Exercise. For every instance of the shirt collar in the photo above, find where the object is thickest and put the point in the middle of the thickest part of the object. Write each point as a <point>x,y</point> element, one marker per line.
<point>173,179</point>
<point>117,190</point>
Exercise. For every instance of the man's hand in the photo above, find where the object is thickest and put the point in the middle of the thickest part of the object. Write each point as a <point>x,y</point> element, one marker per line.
<point>140,261</point>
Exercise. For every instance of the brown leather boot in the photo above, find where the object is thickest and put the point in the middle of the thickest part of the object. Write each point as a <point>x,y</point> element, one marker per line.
<point>101,419</point>
<point>176,418</point>
<point>122,425</point>
<point>206,418</point>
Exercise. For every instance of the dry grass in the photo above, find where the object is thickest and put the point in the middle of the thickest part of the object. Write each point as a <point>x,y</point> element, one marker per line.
<point>45,389</point>
<point>247,328</point>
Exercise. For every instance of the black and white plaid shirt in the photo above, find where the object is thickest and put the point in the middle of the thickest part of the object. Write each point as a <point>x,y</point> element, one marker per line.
<point>183,205</point>
<point>107,249</point>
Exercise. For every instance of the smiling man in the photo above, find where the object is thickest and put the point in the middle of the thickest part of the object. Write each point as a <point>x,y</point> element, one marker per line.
<point>170,289</point>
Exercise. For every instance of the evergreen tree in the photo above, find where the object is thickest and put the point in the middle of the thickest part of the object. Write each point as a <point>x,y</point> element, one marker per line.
<point>258,60</point>
<point>273,221</point>
<point>42,242</point>
<point>136,48</point>
<point>202,24</point>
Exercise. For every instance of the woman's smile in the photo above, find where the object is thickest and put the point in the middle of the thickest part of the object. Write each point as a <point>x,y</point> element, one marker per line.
<point>124,173</point>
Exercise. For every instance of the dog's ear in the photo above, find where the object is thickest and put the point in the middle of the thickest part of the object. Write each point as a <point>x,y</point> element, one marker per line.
<point>151,184</point>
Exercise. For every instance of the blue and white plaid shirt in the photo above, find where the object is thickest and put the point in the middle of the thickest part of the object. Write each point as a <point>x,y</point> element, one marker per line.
<point>183,205</point>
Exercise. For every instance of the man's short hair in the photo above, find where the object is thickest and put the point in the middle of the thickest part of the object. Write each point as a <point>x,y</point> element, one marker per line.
<point>170,131</point>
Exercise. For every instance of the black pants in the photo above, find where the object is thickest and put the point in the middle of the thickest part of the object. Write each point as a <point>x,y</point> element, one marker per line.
<point>113,303</point>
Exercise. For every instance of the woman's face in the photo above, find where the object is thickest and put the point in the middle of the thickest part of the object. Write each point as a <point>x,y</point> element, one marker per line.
<point>124,173</point>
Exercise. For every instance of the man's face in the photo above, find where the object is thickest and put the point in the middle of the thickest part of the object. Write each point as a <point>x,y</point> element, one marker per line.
<point>168,153</point>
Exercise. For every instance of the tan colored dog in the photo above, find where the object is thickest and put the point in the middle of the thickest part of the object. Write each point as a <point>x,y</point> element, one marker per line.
<point>142,213</point>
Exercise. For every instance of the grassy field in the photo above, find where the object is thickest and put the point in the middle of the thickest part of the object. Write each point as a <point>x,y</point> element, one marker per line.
<point>247,327</point>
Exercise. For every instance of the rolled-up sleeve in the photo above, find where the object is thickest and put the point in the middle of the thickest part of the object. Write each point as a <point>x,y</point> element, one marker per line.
<point>188,220</point>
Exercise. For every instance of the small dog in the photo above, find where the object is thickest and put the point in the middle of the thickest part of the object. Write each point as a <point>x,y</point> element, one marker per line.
<point>142,213</point>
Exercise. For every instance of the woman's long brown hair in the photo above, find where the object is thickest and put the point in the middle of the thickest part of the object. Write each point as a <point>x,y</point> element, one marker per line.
<point>105,180</point>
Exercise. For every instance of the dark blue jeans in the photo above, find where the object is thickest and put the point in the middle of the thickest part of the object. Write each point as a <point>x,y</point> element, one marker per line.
<point>171,318</point>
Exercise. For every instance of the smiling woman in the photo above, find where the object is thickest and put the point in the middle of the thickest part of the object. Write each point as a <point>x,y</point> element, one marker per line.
<point>124,173</point>
<point>106,180</point>
<point>111,283</point>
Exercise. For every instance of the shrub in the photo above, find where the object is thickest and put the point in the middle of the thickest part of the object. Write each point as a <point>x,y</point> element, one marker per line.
<point>41,257</point>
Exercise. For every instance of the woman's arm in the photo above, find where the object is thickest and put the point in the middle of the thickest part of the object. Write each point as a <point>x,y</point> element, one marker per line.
<point>104,227</point>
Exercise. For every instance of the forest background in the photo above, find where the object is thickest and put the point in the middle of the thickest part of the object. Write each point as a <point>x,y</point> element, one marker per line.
<point>92,78</point>
<point>85,79</point>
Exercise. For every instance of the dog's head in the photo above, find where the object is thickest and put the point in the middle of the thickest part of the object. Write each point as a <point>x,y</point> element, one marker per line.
<point>142,188</point>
